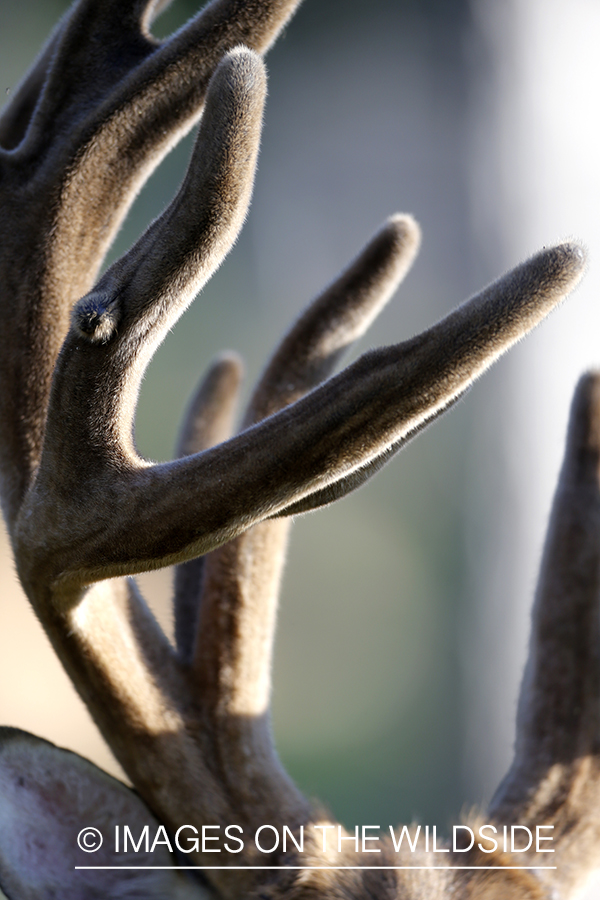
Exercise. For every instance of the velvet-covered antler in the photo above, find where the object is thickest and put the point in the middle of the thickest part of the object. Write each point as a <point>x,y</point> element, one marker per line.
<point>190,724</point>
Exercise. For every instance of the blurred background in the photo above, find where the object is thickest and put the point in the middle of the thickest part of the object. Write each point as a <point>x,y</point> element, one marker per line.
<point>405,607</point>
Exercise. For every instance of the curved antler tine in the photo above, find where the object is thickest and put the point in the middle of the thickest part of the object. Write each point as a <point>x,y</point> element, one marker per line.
<point>208,421</point>
<point>337,318</point>
<point>142,295</point>
<point>555,777</point>
<point>98,46</point>
<point>181,249</point>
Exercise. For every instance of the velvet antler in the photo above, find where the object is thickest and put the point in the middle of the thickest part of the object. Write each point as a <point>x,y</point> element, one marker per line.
<point>190,724</point>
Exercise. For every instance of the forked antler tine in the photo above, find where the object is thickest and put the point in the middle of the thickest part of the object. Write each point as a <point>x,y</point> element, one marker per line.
<point>555,776</point>
<point>73,103</point>
<point>334,430</point>
<point>208,421</point>
<point>205,218</point>
<point>151,92</point>
<point>241,579</point>
<point>110,117</point>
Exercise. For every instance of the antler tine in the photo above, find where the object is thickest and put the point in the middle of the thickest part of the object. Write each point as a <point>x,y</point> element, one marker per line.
<point>337,318</point>
<point>208,421</point>
<point>148,82</point>
<point>555,776</point>
<point>124,114</point>
<point>90,138</point>
<point>111,623</point>
<point>240,581</point>
<point>209,418</point>
<point>118,326</point>
<point>333,431</point>
<point>533,279</point>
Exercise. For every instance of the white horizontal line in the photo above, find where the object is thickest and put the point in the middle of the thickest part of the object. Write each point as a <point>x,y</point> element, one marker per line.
<point>297,868</point>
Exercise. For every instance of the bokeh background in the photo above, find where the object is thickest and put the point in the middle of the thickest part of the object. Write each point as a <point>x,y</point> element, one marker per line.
<point>404,614</point>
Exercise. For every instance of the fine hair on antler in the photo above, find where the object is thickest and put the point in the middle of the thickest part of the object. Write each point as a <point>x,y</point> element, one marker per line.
<point>189,723</point>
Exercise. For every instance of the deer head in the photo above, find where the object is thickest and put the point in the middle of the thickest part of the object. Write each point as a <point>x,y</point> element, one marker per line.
<point>190,724</point>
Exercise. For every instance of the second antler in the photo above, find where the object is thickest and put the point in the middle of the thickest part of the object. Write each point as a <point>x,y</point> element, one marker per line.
<point>190,724</point>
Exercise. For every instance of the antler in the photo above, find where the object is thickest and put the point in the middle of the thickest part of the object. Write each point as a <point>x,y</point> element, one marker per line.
<point>190,725</point>
<point>555,777</point>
